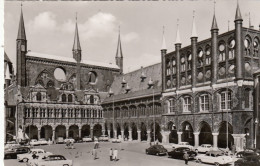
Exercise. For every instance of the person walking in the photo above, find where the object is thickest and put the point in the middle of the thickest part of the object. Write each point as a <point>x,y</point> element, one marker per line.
<point>115,153</point>
<point>94,153</point>
<point>111,154</point>
<point>186,158</point>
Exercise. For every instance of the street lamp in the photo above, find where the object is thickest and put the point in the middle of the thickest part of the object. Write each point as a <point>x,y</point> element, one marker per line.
<point>111,93</point>
<point>151,85</point>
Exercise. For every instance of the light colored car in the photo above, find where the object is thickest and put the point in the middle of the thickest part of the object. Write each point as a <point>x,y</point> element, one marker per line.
<point>69,139</point>
<point>214,157</point>
<point>28,156</point>
<point>203,148</point>
<point>42,141</point>
<point>182,144</point>
<point>54,160</point>
<point>11,145</point>
<point>87,139</point>
<point>116,140</point>
<point>103,138</point>
<point>60,140</point>
<point>34,142</point>
<point>32,162</point>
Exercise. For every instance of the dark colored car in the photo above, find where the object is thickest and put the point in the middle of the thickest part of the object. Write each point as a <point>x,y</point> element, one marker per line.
<point>248,161</point>
<point>247,152</point>
<point>178,153</point>
<point>156,150</point>
<point>13,154</point>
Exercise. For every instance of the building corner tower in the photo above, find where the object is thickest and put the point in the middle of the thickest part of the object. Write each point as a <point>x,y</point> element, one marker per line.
<point>119,54</point>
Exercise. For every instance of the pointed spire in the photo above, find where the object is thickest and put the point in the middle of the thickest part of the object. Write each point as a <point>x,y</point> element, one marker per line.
<point>76,45</point>
<point>214,22</point>
<point>228,24</point>
<point>21,30</point>
<point>163,42</point>
<point>178,39</point>
<point>7,73</point>
<point>194,30</point>
<point>238,13</point>
<point>119,52</point>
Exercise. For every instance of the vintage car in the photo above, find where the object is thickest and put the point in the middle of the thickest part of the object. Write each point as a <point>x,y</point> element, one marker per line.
<point>69,139</point>
<point>27,156</point>
<point>247,152</point>
<point>54,160</point>
<point>43,141</point>
<point>214,157</point>
<point>182,144</point>
<point>156,150</point>
<point>116,140</point>
<point>11,145</point>
<point>12,154</point>
<point>60,140</point>
<point>203,148</point>
<point>34,142</point>
<point>32,162</point>
<point>103,138</point>
<point>87,139</point>
<point>253,160</point>
<point>178,153</point>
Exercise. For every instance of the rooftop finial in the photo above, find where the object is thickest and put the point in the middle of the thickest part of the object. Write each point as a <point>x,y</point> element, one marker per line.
<point>238,13</point>
<point>163,42</point>
<point>214,22</point>
<point>249,20</point>
<point>194,30</point>
<point>228,24</point>
<point>178,39</point>
<point>214,6</point>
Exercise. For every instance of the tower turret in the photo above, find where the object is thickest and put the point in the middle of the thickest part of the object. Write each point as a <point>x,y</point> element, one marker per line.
<point>177,49</point>
<point>21,50</point>
<point>163,53</point>
<point>119,54</point>
<point>194,39</point>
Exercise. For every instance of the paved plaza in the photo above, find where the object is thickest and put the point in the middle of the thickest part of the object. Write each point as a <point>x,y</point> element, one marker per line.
<point>130,154</point>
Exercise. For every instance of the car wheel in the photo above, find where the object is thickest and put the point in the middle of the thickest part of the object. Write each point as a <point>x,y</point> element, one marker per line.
<point>216,164</point>
<point>25,160</point>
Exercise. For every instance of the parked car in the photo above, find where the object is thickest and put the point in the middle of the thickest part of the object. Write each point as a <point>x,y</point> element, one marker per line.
<point>54,160</point>
<point>178,153</point>
<point>253,160</point>
<point>247,152</point>
<point>69,139</point>
<point>214,157</point>
<point>116,140</point>
<point>27,156</point>
<point>103,138</point>
<point>34,142</point>
<point>11,145</point>
<point>13,153</point>
<point>60,140</point>
<point>204,148</point>
<point>42,141</point>
<point>182,144</point>
<point>87,139</point>
<point>156,150</point>
<point>32,162</point>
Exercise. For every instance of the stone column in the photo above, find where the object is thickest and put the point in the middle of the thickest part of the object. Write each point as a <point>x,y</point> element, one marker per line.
<point>239,141</point>
<point>148,136</point>
<point>80,132</point>
<point>165,136</point>
<point>130,135</point>
<point>122,135</point>
<point>67,132</point>
<point>103,132</point>
<point>53,134</point>
<point>115,134</point>
<point>91,131</point>
<point>108,132</point>
<point>139,135</point>
<point>196,139</point>
<point>215,140</point>
<point>39,133</point>
<point>179,136</point>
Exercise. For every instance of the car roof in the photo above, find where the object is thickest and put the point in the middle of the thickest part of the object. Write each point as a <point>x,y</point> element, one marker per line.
<point>206,144</point>
<point>182,148</point>
<point>55,155</point>
<point>36,149</point>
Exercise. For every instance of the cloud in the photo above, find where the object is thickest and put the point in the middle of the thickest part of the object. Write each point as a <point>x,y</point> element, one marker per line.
<point>43,21</point>
<point>129,37</point>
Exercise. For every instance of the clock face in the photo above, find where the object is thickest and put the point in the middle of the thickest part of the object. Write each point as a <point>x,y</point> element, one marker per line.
<point>22,47</point>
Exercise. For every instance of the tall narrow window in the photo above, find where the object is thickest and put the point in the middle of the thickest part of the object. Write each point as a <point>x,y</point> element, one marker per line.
<point>225,100</point>
<point>63,98</point>
<point>70,98</point>
<point>222,54</point>
<point>91,99</point>
<point>173,66</point>
<point>171,106</point>
<point>39,96</point>
<point>204,103</point>
<point>187,104</point>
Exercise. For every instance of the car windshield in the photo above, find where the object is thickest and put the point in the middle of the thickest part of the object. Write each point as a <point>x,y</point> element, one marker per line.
<point>159,147</point>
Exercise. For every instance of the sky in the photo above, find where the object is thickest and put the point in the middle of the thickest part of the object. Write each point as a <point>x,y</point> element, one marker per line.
<point>50,26</point>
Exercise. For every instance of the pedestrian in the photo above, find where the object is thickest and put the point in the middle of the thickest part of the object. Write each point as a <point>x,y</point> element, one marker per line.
<point>34,155</point>
<point>111,154</point>
<point>94,153</point>
<point>233,149</point>
<point>186,158</point>
<point>115,153</point>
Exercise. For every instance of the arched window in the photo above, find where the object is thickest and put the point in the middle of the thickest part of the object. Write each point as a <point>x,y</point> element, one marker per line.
<point>91,99</point>
<point>38,96</point>
<point>63,98</point>
<point>171,105</point>
<point>173,66</point>
<point>204,103</point>
<point>225,100</point>
<point>189,58</point>
<point>231,49</point>
<point>256,47</point>
<point>208,55</point>
<point>92,77</point>
<point>222,54</point>
<point>200,58</point>
<point>186,104</point>
<point>183,65</point>
<point>168,67</point>
<point>70,98</point>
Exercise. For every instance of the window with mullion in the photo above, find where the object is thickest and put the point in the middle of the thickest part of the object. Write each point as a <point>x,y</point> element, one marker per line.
<point>187,104</point>
<point>204,103</point>
<point>226,102</point>
<point>172,105</point>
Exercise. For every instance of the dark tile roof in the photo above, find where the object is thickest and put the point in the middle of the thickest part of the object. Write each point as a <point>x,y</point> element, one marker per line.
<point>138,88</point>
<point>7,58</point>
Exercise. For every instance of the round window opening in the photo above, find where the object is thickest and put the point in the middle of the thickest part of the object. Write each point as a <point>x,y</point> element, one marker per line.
<point>232,43</point>
<point>247,43</point>
<point>92,77</point>
<point>221,47</point>
<point>60,74</point>
<point>200,53</point>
